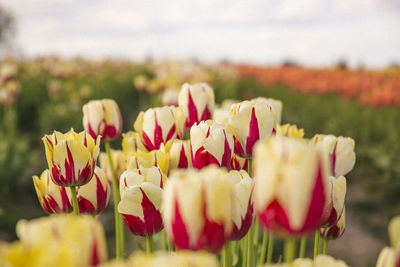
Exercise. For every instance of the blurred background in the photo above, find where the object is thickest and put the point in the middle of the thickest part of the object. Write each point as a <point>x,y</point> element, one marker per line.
<point>333,64</point>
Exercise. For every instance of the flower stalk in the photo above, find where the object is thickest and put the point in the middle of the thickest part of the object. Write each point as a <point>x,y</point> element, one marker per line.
<point>74,200</point>
<point>119,234</point>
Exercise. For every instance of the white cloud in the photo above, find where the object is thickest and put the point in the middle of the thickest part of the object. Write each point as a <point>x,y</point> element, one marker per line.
<point>315,32</point>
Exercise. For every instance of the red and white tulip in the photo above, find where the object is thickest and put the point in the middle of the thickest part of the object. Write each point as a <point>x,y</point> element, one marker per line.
<point>179,154</point>
<point>336,230</point>
<point>211,143</point>
<point>197,208</point>
<point>94,196</point>
<point>336,201</point>
<point>197,102</point>
<point>102,118</point>
<point>141,198</point>
<point>251,121</point>
<point>291,188</point>
<point>52,198</point>
<point>340,150</point>
<point>242,213</point>
<point>71,157</point>
<point>158,125</point>
<point>239,163</point>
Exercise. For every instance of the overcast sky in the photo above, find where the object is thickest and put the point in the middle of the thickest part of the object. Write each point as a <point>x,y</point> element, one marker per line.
<point>312,32</point>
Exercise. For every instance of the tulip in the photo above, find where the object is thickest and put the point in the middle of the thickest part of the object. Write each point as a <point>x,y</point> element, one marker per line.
<point>131,143</point>
<point>94,196</point>
<point>291,185</point>
<point>158,125</point>
<point>242,213</point>
<point>238,163</point>
<point>340,150</point>
<point>197,102</point>
<point>71,157</point>
<point>276,106</point>
<point>179,154</point>
<point>334,231</point>
<point>52,198</point>
<point>141,195</point>
<point>211,143</point>
<point>102,118</point>
<point>169,97</point>
<point>320,261</point>
<point>158,158</point>
<point>251,121</point>
<point>119,162</point>
<point>335,205</point>
<point>197,208</point>
<point>289,130</point>
<point>57,240</point>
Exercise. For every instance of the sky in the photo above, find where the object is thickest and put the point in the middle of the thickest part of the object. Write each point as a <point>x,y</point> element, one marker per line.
<point>311,32</point>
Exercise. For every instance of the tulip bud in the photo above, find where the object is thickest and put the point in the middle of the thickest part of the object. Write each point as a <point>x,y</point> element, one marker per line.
<point>242,213</point>
<point>71,157</point>
<point>58,240</point>
<point>251,121</point>
<point>197,102</point>
<point>211,144</point>
<point>335,231</point>
<point>158,158</point>
<point>336,201</point>
<point>119,162</point>
<point>102,118</point>
<point>94,196</point>
<point>141,195</point>
<point>197,208</point>
<point>291,185</point>
<point>52,198</point>
<point>340,150</point>
<point>131,143</point>
<point>169,97</point>
<point>238,163</point>
<point>289,130</point>
<point>179,154</point>
<point>158,125</point>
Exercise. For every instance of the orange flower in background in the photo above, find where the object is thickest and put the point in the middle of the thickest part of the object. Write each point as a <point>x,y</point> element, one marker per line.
<point>102,118</point>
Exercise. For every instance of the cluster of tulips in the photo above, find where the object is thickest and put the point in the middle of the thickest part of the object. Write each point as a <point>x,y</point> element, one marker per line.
<point>371,88</point>
<point>187,171</point>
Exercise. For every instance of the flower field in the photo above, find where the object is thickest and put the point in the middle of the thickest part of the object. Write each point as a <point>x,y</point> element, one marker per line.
<point>184,164</point>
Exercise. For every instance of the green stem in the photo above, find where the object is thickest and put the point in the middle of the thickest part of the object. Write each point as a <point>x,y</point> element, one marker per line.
<point>289,250</point>
<point>316,243</point>
<point>270,248</point>
<point>250,247</point>
<point>303,244</point>
<point>74,200</point>
<point>149,244</point>
<point>325,246</point>
<point>263,248</point>
<point>226,255</point>
<point>164,240</point>
<point>243,245</point>
<point>119,227</point>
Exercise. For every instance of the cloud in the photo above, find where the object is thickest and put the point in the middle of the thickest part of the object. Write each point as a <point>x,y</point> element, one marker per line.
<point>314,32</point>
